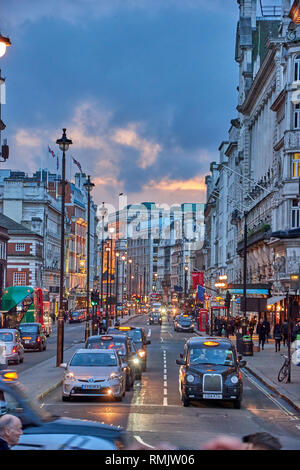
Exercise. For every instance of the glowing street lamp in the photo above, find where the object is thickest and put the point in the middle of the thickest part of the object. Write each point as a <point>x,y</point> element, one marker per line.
<point>4,43</point>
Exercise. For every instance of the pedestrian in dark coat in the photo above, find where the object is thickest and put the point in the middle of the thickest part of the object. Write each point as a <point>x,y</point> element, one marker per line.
<point>285,332</point>
<point>268,328</point>
<point>261,330</point>
<point>277,336</point>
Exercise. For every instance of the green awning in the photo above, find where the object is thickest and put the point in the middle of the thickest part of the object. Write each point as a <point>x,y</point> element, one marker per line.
<point>12,296</point>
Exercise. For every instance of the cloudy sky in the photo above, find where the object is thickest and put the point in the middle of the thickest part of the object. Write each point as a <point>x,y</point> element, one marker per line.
<point>145,88</point>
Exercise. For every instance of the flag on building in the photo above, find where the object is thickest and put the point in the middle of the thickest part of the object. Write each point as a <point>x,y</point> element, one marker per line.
<point>77,164</point>
<point>51,151</point>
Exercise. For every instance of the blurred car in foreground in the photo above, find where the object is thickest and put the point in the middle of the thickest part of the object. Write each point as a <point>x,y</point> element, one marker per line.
<point>94,372</point>
<point>14,350</point>
<point>42,431</point>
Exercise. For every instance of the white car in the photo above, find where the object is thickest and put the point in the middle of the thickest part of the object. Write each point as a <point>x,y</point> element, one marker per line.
<point>94,372</point>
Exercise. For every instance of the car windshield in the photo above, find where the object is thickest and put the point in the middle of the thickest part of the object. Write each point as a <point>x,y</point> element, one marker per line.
<point>117,345</point>
<point>6,337</point>
<point>184,320</point>
<point>135,335</point>
<point>94,360</point>
<point>28,328</point>
<point>215,356</point>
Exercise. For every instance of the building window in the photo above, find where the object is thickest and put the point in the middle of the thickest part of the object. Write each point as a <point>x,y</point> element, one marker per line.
<point>20,246</point>
<point>297,68</point>
<point>296,165</point>
<point>295,214</point>
<point>297,116</point>
<point>19,279</point>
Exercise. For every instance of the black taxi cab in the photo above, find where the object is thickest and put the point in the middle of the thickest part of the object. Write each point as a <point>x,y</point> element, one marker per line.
<point>138,336</point>
<point>210,370</point>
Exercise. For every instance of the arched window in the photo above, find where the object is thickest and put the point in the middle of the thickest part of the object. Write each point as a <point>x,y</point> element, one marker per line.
<point>297,68</point>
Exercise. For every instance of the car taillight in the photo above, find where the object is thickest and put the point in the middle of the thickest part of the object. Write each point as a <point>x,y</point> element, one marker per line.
<point>14,350</point>
<point>38,339</point>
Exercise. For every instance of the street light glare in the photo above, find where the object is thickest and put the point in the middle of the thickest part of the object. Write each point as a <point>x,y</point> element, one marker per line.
<point>2,49</point>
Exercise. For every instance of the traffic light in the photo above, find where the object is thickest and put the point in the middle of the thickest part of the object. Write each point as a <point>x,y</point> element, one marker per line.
<point>227,300</point>
<point>95,298</point>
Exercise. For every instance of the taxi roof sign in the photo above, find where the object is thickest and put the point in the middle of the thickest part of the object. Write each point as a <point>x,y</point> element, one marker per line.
<point>9,375</point>
<point>211,343</point>
<point>124,328</point>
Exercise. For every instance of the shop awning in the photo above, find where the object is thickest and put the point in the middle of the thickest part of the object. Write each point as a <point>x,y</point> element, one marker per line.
<point>274,300</point>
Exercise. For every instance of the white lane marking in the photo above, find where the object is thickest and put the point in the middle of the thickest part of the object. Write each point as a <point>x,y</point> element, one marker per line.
<point>298,426</point>
<point>139,439</point>
<point>149,333</point>
<point>285,410</point>
<point>165,377</point>
<point>165,399</point>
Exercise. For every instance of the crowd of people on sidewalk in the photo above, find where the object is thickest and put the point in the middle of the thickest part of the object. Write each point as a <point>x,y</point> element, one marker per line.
<point>226,327</point>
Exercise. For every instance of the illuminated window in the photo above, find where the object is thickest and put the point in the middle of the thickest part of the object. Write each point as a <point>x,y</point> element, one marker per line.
<point>19,279</point>
<point>296,165</point>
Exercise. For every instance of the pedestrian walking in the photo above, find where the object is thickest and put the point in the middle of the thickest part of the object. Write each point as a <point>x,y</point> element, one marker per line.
<point>10,431</point>
<point>261,330</point>
<point>268,328</point>
<point>285,332</point>
<point>277,336</point>
<point>296,331</point>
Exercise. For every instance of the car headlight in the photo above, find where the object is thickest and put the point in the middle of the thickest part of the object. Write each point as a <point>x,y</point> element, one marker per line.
<point>234,379</point>
<point>69,376</point>
<point>113,376</point>
<point>136,360</point>
<point>190,378</point>
<point>141,353</point>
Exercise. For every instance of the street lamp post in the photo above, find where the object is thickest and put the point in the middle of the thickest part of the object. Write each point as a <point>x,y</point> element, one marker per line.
<point>4,153</point>
<point>130,295</point>
<point>103,212</point>
<point>185,285</point>
<point>88,186</point>
<point>117,284</point>
<point>64,144</point>
<point>107,271</point>
<point>123,273</point>
<point>244,321</point>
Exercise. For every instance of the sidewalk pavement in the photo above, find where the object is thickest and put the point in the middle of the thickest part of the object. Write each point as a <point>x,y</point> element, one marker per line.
<point>43,378</point>
<point>266,364</point>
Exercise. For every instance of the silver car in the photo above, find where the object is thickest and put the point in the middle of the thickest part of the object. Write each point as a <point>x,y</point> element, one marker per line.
<point>14,350</point>
<point>96,373</point>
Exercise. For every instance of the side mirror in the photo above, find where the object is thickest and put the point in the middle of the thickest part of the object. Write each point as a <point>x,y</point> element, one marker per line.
<point>180,362</point>
<point>181,355</point>
<point>148,341</point>
<point>242,364</point>
<point>64,365</point>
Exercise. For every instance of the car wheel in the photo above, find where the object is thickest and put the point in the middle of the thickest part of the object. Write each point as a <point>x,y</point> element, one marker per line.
<point>138,377</point>
<point>41,348</point>
<point>185,401</point>
<point>128,384</point>
<point>64,398</point>
<point>119,398</point>
<point>237,404</point>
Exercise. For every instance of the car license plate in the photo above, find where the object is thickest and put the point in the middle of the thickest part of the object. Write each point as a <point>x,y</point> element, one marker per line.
<point>27,341</point>
<point>91,387</point>
<point>212,396</point>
